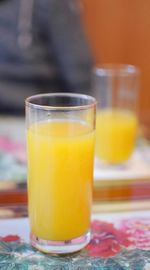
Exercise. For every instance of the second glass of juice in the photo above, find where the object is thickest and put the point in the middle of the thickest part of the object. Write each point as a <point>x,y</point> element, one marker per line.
<point>60,151</point>
<point>116,90</point>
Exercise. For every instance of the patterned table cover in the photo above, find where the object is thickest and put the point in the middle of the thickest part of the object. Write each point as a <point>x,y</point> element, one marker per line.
<point>122,245</point>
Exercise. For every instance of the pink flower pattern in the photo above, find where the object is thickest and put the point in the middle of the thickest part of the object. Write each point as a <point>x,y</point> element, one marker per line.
<point>106,240</point>
<point>139,231</point>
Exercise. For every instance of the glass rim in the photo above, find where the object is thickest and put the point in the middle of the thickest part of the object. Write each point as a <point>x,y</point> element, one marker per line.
<point>108,69</point>
<point>29,103</point>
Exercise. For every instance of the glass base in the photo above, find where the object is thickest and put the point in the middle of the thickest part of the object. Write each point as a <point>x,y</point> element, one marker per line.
<point>60,247</point>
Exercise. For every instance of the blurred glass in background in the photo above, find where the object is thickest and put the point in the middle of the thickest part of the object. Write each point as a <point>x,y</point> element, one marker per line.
<point>116,88</point>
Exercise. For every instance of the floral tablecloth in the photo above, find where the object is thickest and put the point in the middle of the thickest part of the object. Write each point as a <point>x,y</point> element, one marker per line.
<point>122,245</point>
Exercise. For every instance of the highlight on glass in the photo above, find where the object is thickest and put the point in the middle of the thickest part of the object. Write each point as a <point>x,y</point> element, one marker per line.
<point>60,154</point>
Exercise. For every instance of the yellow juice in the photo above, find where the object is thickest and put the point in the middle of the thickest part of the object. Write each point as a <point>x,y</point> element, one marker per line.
<point>60,174</point>
<point>115,135</point>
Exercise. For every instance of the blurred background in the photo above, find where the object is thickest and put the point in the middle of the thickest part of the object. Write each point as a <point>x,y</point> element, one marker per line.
<point>118,32</point>
<point>49,46</point>
<point>52,47</point>
<point>43,48</point>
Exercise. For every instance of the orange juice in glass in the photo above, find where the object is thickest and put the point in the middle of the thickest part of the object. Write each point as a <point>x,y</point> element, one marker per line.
<point>116,90</point>
<point>115,135</point>
<point>60,146</point>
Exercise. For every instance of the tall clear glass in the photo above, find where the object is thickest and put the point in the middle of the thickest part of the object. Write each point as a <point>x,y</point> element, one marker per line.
<point>60,153</point>
<point>116,89</point>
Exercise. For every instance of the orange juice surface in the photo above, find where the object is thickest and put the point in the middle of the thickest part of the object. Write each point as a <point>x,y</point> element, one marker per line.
<point>115,135</point>
<point>60,173</point>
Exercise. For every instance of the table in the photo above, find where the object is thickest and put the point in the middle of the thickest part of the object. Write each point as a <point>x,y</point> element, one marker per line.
<point>119,242</point>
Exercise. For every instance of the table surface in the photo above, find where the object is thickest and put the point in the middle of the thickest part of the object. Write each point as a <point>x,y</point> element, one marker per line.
<point>120,241</point>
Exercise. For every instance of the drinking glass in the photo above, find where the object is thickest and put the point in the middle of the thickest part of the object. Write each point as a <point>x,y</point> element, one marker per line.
<point>116,89</point>
<point>60,153</point>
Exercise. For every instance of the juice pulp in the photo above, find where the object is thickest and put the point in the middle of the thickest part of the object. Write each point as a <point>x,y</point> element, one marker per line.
<point>60,174</point>
<point>115,135</point>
